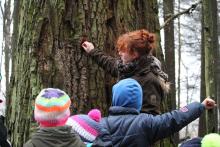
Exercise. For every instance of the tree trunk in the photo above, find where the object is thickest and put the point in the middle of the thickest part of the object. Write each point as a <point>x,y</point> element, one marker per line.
<point>179,55</point>
<point>202,119</point>
<point>7,38</point>
<point>210,77</point>
<point>218,68</point>
<point>168,7</point>
<point>48,53</point>
<point>216,56</point>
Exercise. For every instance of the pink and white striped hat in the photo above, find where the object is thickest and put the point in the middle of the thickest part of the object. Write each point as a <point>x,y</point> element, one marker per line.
<point>87,126</point>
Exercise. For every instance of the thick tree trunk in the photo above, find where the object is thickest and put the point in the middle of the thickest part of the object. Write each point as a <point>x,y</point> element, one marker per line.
<point>49,55</point>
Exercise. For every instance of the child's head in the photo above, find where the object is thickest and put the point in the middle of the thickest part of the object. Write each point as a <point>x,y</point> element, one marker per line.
<point>127,93</point>
<point>52,107</point>
<point>211,140</point>
<point>87,126</point>
<point>136,43</point>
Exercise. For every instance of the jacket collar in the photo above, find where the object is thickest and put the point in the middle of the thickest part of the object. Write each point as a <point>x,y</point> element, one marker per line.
<point>142,64</point>
<point>117,110</point>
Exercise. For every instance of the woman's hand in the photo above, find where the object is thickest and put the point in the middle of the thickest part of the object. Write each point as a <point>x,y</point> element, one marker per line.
<point>87,46</point>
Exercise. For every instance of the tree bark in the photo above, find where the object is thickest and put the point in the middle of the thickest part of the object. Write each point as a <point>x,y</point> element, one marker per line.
<point>7,39</point>
<point>169,47</point>
<point>210,77</point>
<point>202,119</point>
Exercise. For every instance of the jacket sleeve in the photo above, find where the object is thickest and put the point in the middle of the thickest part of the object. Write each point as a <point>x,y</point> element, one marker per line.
<point>162,126</point>
<point>108,63</point>
<point>3,130</point>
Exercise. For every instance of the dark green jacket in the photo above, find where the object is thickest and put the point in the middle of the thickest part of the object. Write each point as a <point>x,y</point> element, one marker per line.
<point>3,133</point>
<point>55,137</point>
<point>145,70</point>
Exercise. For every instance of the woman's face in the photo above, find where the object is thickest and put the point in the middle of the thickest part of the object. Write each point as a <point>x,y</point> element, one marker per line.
<point>126,57</point>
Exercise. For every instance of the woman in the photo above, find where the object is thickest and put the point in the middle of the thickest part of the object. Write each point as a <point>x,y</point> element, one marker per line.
<point>136,61</point>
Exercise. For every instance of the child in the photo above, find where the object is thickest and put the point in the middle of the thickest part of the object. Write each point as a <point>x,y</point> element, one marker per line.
<point>52,111</point>
<point>127,127</point>
<point>87,126</point>
<point>136,61</point>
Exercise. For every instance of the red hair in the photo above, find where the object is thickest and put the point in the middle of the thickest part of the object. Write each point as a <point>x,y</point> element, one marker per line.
<point>140,41</point>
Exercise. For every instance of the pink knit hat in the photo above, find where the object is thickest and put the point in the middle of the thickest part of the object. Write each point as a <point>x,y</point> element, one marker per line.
<point>87,126</point>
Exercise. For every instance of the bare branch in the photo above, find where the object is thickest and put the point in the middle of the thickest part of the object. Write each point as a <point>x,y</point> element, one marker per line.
<point>187,11</point>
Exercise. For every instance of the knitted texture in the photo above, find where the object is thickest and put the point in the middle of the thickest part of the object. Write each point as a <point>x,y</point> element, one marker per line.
<point>87,126</point>
<point>211,140</point>
<point>52,107</point>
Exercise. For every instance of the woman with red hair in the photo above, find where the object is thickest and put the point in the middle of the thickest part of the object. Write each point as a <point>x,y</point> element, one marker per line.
<point>136,61</point>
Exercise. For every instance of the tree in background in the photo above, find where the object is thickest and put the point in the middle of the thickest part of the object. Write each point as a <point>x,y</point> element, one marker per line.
<point>211,60</point>
<point>47,52</point>
<point>7,38</point>
<point>202,119</point>
<point>169,47</point>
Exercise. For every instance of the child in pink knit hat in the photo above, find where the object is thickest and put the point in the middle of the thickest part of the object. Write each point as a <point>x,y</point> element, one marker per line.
<point>87,126</point>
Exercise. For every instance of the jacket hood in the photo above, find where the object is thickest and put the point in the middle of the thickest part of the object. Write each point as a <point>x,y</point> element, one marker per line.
<point>127,93</point>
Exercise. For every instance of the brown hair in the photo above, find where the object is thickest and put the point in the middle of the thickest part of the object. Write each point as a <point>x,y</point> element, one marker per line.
<point>140,41</point>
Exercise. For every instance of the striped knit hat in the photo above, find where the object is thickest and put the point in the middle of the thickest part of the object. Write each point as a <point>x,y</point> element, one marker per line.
<point>87,126</point>
<point>52,107</point>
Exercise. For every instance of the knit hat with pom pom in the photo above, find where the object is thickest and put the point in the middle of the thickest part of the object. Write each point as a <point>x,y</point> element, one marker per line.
<point>87,126</point>
<point>211,140</point>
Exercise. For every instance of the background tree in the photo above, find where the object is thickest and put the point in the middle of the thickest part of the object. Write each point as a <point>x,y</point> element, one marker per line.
<point>48,53</point>
<point>211,58</point>
<point>179,57</point>
<point>169,47</point>
<point>202,119</point>
<point>7,37</point>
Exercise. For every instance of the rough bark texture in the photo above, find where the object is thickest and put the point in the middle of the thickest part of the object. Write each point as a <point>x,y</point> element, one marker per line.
<point>48,53</point>
<point>168,7</point>
<point>216,59</point>
<point>202,119</point>
<point>7,38</point>
<point>210,62</point>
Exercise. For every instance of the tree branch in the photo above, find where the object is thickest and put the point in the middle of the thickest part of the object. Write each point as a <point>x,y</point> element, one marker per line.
<point>187,11</point>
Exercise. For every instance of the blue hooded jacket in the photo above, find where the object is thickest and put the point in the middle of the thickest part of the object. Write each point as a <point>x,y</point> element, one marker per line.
<point>127,127</point>
<point>127,93</point>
